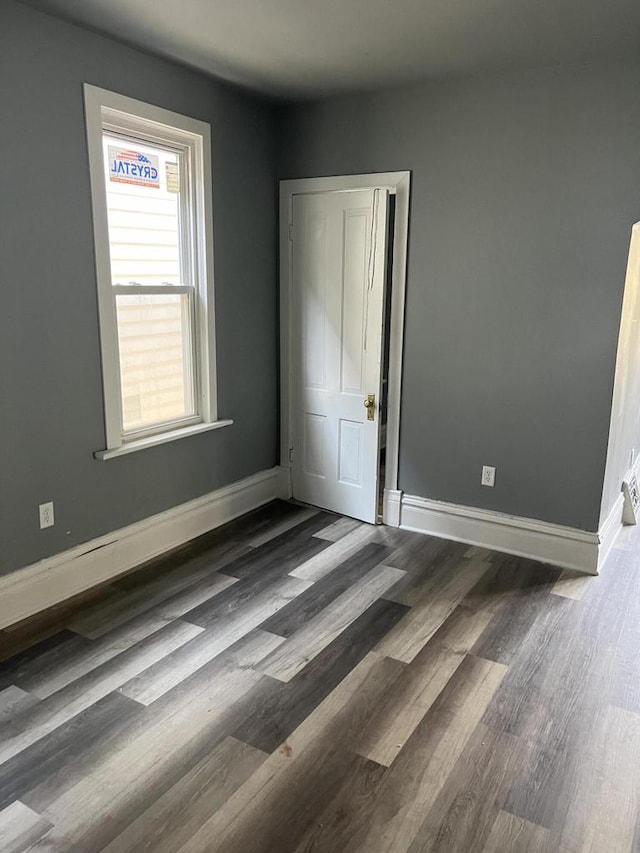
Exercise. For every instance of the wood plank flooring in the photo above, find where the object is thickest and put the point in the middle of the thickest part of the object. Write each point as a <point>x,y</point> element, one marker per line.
<point>298,682</point>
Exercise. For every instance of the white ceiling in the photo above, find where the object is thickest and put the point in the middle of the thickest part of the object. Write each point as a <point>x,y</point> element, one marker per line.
<point>304,48</point>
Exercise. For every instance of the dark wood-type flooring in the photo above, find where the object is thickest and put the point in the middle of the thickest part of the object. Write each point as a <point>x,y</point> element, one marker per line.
<point>297,682</point>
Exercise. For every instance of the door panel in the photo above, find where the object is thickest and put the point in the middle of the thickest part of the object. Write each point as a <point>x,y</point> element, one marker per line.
<point>356,226</point>
<point>350,450</point>
<point>314,445</point>
<point>339,255</point>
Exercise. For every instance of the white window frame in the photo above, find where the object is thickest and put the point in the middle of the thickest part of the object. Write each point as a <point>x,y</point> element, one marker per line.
<point>103,107</point>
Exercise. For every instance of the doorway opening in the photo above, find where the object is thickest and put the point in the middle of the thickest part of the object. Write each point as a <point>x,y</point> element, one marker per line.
<point>386,343</point>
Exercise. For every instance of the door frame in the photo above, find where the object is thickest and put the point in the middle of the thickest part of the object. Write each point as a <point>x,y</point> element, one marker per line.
<point>398,184</point>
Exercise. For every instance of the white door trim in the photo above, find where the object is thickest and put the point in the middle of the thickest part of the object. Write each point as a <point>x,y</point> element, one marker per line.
<point>398,184</point>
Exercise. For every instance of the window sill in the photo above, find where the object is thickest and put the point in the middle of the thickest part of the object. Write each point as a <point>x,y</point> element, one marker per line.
<point>163,438</point>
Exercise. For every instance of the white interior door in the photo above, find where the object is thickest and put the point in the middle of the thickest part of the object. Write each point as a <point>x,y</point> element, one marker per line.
<point>339,262</point>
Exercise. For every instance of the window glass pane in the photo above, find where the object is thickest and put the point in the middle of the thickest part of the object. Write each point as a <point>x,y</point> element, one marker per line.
<point>155,343</point>
<point>143,208</point>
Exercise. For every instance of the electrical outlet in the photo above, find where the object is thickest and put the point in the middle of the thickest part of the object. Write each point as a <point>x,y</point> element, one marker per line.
<point>488,476</point>
<point>46,515</point>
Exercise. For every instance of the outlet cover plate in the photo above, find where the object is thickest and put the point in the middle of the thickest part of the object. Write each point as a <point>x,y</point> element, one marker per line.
<point>488,476</point>
<point>46,515</point>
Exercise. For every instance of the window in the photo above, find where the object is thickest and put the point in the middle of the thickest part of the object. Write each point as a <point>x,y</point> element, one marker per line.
<point>151,191</point>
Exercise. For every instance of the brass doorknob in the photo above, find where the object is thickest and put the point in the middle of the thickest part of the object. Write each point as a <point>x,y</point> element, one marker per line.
<point>370,406</point>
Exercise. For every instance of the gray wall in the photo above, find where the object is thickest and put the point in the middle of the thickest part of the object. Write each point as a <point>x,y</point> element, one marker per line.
<point>51,418</point>
<point>624,436</point>
<point>524,190</point>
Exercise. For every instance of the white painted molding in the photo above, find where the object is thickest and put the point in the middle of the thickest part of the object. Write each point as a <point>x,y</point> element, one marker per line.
<point>609,531</point>
<point>104,108</point>
<point>629,514</point>
<point>524,537</point>
<point>391,504</point>
<point>285,490</point>
<point>50,581</point>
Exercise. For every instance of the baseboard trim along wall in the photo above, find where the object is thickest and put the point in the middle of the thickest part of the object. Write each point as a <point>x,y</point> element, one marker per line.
<point>609,530</point>
<point>391,506</point>
<point>34,588</point>
<point>561,546</point>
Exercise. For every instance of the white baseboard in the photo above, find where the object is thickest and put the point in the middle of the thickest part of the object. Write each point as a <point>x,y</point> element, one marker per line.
<point>524,537</point>
<point>391,503</point>
<point>285,488</point>
<point>50,581</point>
<point>609,530</point>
